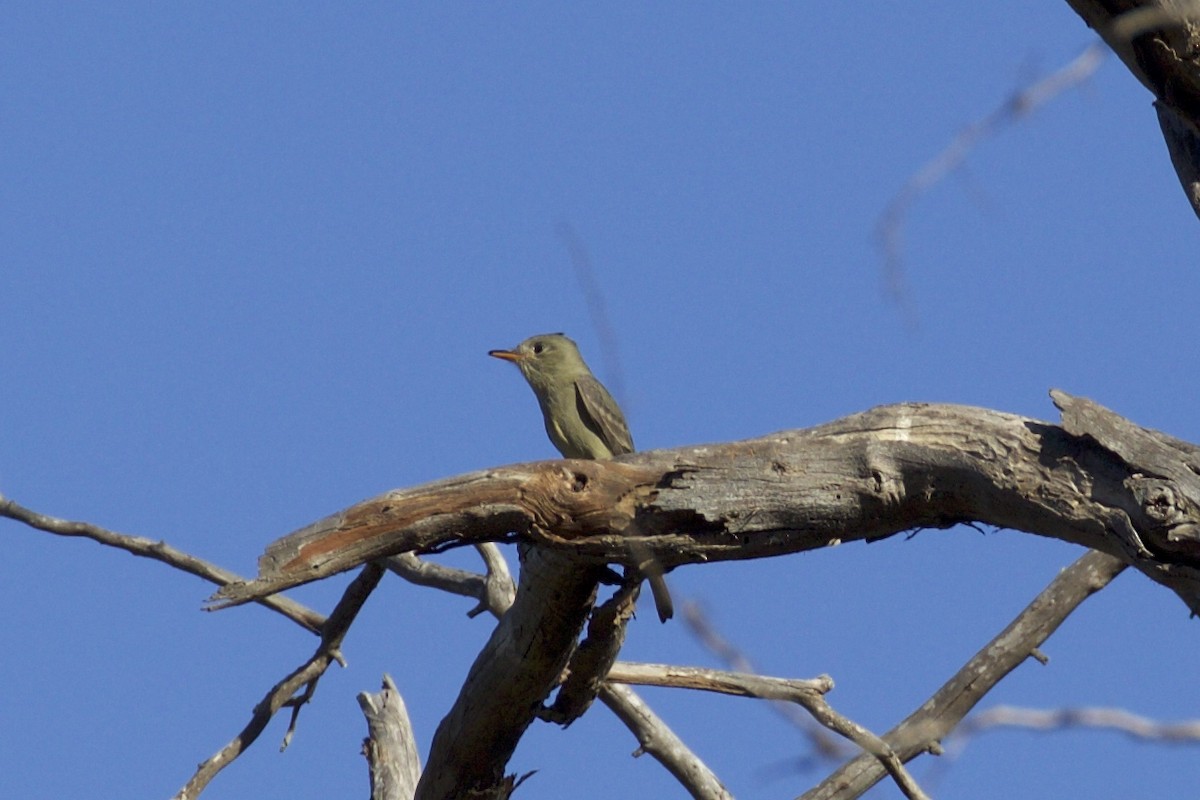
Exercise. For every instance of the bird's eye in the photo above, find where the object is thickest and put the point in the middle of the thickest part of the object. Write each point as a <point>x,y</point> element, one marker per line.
<point>538,348</point>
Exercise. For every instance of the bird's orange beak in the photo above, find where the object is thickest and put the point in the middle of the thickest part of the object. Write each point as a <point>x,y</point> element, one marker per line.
<point>507,355</point>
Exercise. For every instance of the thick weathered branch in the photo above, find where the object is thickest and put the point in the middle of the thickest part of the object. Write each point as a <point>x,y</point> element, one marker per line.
<point>655,737</point>
<point>867,476</point>
<point>518,668</point>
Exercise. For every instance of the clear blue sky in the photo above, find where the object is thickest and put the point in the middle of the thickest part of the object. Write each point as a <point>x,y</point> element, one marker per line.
<point>254,256</point>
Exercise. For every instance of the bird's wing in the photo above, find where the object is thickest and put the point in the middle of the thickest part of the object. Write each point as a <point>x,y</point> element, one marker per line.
<point>602,414</point>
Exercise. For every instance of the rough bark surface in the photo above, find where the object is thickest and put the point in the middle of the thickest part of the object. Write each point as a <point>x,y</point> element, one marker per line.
<point>1098,481</point>
<point>390,746</point>
<point>520,665</point>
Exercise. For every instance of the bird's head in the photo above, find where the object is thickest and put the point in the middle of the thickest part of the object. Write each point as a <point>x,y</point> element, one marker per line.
<point>545,358</point>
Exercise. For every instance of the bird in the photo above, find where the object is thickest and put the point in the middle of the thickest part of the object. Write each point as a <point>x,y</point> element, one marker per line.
<point>582,419</point>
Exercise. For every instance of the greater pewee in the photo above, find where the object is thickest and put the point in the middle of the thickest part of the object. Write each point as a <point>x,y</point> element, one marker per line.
<point>582,419</point>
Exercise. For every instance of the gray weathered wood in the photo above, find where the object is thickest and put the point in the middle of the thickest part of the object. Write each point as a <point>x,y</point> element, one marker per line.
<point>1120,489</point>
<point>1098,481</point>
<point>390,746</point>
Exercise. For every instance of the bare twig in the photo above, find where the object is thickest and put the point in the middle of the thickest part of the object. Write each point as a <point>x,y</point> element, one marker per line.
<point>437,576</point>
<point>1112,719</point>
<point>889,230</point>
<point>824,745</point>
<point>922,730</point>
<point>657,739</point>
<point>158,551</point>
<point>741,684</point>
<point>500,589</point>
<point>283,694</point>
<point>809,694</point>
<point>494,590</point>
<point>819,707</point>
<point>1104,719</point>
<point>597,307</point>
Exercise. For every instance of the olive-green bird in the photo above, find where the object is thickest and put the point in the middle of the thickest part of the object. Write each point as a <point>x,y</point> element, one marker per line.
<point>582,419</point>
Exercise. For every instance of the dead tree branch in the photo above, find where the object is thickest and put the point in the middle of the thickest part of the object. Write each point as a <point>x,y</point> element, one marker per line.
<point>1098,481</point>
<point>924,729</point>
<point>808,694</point>
<point>284,693</point>
<point>1159,42</point>
<point>391,745</point>
<point>1052,719</point>
<point>824,745</point>
<point>157,551</point>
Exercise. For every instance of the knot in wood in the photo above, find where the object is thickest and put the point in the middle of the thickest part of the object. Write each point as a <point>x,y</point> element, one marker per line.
<point>1175,519</point>
<point>573,499</point>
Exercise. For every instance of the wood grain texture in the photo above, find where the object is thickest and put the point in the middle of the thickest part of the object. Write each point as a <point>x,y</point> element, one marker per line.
<point>1097,480</point>
<point>1100,482</point>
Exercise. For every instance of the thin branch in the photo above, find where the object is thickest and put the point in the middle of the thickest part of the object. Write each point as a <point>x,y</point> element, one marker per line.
<point>494,590</point>
<point>824,745</point>
<point>889,230</point>
<point>158,551</point>
<point>660,742</point>
<point>418,571</point>
<point>739,684</point>
<point>597,308</point>
<point>1110,719</point>
<point>283,694</point>
<point>809,694</point>
<point>922,730</point>
<point>824,713</point>
<point>499,588</point>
